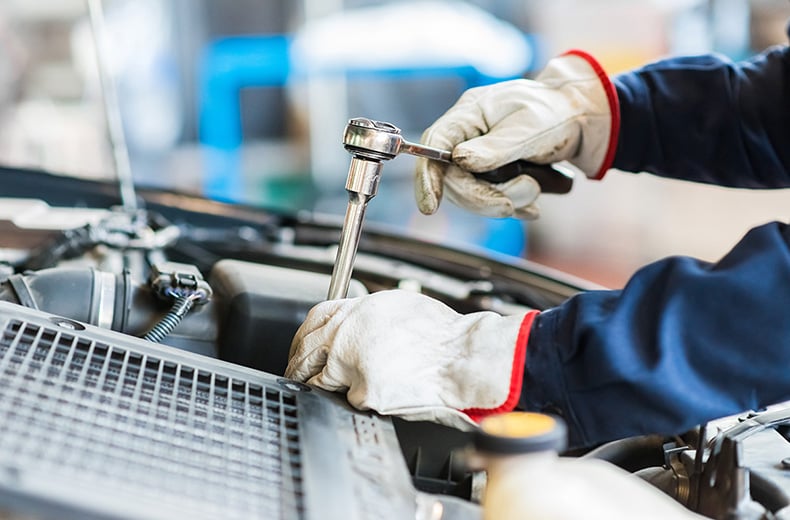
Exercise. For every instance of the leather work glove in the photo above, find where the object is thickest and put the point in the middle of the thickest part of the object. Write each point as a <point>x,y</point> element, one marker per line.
<point>568,112</point>
<point>403,353</point>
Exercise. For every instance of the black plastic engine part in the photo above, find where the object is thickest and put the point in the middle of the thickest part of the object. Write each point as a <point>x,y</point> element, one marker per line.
<point>264,306</point>
<point>181,284</point>
<point>430,450</point>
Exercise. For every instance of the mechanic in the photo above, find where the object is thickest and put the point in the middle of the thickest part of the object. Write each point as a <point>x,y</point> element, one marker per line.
<point>685,341</point>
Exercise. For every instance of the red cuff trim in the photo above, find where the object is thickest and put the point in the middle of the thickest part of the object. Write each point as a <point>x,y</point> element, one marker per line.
<point>516,374</point>
<point>614,107</point>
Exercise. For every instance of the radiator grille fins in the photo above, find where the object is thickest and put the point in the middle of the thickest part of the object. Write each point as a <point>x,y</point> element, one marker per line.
<point>149,433</point>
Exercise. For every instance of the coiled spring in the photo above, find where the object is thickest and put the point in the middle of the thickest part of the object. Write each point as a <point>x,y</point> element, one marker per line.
<point>181,306</point>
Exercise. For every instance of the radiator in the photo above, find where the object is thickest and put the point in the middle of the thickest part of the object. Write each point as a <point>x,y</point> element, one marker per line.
<point>95,424</point>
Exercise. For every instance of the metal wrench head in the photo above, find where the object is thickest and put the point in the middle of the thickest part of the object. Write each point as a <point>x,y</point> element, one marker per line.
<point>379,141</point>
<point>372,140</point>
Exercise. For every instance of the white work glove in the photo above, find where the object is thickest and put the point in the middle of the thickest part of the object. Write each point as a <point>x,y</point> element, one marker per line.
<point>568,112</point>
<point>406,354</point>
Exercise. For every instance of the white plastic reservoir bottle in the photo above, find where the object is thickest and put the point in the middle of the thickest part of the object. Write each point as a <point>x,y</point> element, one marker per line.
<point>528,480</point>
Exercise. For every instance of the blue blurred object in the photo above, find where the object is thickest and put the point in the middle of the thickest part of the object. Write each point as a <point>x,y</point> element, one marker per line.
<point>231,64</point>
<point>228,65</point>
<point>506,235</point>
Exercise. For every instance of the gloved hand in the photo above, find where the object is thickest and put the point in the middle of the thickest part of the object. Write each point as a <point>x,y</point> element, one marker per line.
<point>404,353</point>
<point>568,112</point>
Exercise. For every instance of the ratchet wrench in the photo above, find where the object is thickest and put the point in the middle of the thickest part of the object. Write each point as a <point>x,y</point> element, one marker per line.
<point>370,143</point>
<point>371,138</point>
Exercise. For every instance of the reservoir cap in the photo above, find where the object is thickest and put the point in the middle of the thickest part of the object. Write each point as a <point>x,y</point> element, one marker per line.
<point>521,432</point>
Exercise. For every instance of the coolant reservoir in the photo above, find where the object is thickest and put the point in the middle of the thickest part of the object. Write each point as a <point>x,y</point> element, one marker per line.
<point>527,479</point>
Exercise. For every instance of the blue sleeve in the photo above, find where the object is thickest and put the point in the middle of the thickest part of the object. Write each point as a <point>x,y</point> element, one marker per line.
<point>708,119</point>
<point>683,342</point>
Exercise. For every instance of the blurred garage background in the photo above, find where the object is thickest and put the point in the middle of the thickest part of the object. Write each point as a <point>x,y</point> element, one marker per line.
<point>246,100</point>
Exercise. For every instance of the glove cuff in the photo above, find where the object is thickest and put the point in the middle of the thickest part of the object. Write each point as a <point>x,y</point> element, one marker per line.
<point>516,373</point>
<point>597,161</point>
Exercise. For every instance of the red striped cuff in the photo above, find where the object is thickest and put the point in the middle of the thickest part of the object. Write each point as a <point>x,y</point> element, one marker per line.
<point>516,373</point>
<point>614,109</point>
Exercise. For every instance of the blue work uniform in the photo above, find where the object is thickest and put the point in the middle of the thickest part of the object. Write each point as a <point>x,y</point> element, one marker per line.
<point>685,341</point>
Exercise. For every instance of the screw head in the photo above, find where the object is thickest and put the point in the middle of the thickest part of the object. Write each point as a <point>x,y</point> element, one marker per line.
<point>293,386</point>
<point>67,324</point>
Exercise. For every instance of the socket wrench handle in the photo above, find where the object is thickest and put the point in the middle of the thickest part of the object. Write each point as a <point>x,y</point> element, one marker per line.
<point>549,178</point>
<point>420,150</point>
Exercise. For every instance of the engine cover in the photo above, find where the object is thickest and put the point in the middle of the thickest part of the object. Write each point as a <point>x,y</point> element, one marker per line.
<point>264,306</point>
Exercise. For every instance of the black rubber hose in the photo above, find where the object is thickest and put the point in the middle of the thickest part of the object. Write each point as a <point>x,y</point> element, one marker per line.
<point>170,321</point>
<point>766,492</point>
<point>70,243</point>
<point>633,453</point>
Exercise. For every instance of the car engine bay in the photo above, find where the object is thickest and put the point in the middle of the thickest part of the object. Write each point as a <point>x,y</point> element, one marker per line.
<point>142,356</point>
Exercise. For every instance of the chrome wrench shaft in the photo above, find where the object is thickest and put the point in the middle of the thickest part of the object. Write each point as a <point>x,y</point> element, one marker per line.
<point>362,185</point>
